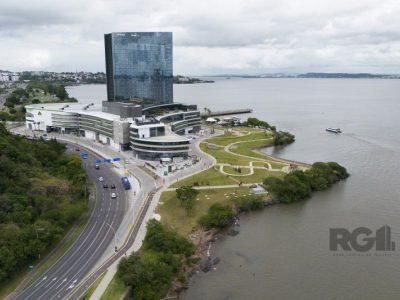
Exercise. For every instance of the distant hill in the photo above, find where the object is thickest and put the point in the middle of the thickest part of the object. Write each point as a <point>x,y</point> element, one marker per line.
<point>315,75</point>
<point>346,75</point>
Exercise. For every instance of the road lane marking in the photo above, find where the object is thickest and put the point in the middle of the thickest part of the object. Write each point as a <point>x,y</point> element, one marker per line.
<point>54,279</point>
<point>98,247</point>
<point>65,279</point>
<point>72,256</point>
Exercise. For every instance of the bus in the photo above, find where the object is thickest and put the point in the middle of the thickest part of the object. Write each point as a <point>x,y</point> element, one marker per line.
<point>126,183</point>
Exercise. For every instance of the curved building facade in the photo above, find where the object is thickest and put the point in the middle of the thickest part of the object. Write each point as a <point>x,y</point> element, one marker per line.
<point>148,137</point>
<point>152,140</point>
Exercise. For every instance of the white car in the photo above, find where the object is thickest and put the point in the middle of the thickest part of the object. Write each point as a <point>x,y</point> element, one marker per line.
<point>113,195</point>
<point>101,179</point>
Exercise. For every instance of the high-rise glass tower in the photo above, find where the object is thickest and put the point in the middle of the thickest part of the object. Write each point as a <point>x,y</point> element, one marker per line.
<point>139,65</point>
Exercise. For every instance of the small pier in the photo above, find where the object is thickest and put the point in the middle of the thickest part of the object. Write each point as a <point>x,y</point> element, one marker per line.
<point>226,112</point>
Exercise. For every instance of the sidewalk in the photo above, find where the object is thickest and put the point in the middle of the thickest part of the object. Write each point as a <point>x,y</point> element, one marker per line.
<point>209,187</point>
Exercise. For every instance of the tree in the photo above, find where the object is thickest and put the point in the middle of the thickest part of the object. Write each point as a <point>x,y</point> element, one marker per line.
<point>298,185</point>
<point>150,271</point>
<point>248,203</point>
<point>218,216</point>
<point>283,138</point>
<point>61,93</point>
<point>186,195</point>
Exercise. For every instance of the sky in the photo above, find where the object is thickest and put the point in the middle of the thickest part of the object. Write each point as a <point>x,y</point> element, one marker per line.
<point>210,36</point>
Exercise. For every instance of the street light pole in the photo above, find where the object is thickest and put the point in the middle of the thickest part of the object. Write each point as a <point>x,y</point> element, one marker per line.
<point>115,236</point>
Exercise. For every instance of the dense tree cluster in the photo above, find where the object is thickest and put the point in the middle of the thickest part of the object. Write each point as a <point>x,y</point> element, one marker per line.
<point>50,88</point>
<point>283,138</point>
<point>298,185</point>
<point>17,97</point>
<point>151,271</point>
<point>280,137</point>
<point>218,216</point>
<point>41,194</point>
<point>254,122</point>
<point>248,203</point>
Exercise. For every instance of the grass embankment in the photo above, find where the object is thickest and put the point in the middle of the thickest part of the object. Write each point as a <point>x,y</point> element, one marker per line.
<point>242,142</point>
<point>93,287</point>
<point>242,134</point>
<point>174,217</point>
<point>115,290</point>
<point>235,172</point>
<point>258,176</point>
<point>224,157</point>
<point>207,177</point>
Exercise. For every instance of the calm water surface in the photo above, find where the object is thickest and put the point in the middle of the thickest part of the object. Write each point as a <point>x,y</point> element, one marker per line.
<point>283,251</point>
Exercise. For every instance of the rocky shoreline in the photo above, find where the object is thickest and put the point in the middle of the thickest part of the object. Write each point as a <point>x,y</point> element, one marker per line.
<point>203,241</point>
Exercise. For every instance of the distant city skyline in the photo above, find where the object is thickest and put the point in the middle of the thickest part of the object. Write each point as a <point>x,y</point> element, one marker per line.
<point>210,37</point>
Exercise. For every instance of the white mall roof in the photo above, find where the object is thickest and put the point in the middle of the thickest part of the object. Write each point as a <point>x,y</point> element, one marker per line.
<point>75,107</point>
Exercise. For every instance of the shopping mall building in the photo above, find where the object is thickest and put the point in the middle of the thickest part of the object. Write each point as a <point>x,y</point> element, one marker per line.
<point>150,136</point>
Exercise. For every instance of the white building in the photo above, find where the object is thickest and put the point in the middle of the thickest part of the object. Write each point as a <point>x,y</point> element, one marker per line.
<point>9,77</point>
<point>150,138</point>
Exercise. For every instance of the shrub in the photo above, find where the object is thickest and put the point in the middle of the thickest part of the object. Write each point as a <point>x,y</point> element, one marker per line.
<point>248,203</point>
<point>298,185</point>
<point>283,138</point>
<point>218,216</point>
<point>150,271</point>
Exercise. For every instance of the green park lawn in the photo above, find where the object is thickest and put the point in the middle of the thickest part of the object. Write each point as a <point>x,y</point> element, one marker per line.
<point>224,157</point>
<point>207,177</point>
<point>115,290</point>
<point>258,176</point>
<point>175,217</point>
<point>233,171</point>
<point>229,138</point>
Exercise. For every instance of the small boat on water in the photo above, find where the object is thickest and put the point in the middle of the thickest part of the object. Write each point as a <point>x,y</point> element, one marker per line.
<point>334,130</point>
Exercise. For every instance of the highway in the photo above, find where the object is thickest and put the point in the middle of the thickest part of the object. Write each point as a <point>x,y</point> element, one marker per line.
<point>92,243</point>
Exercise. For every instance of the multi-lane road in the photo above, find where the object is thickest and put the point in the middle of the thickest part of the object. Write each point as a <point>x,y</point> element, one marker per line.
<point>93,242</point>
<point>69,275</point>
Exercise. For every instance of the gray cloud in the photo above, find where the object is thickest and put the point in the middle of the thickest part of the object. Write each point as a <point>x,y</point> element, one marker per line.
<point>210,37</point>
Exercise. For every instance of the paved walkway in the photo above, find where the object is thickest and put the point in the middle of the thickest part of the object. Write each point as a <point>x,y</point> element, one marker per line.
<point>250,166</point>
<point>211,187</point>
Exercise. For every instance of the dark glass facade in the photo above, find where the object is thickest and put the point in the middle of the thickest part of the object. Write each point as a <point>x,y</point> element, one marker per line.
<point>139,65</point>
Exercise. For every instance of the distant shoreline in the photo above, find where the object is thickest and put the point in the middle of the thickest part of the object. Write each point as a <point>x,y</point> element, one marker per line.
<point>314,75</point>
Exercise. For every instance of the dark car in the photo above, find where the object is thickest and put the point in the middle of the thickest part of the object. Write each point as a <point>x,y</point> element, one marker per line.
<point>97,167</point>
<point>105,185</point>
<point>77,149</point>
<point>113,186</point>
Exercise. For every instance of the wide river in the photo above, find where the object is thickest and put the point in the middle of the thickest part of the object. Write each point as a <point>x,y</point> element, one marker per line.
<point>283,251</point>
